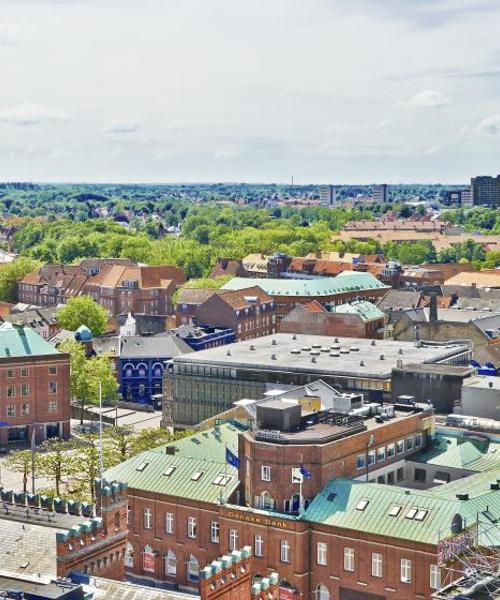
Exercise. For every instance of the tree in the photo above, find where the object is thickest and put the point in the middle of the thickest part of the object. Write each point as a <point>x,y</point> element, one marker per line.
<point>12,273</point>
<point>55,461</point>
<point>85,375</point>
<point>20,461</point>
<point>120,440</point>
<point>83,310</point>
<point>85,463</point>
<point>146,439</point>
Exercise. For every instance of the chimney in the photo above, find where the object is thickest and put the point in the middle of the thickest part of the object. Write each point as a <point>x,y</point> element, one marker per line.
<point>433,308</point>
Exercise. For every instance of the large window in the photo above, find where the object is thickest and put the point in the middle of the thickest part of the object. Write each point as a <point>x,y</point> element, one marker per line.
<point>191,527</point>
<point>265,501</point>
<point>259,545</point>
<point>265,473</point>
<point>405,570</point>
<point>285,551</point>
<point>193,569</point>
<point>435,577</point>
<point>214,531</point>
<point>322,592</point>
<point>129,556</point>
<point>169,522</point>
<point>376,564</point>
<point>348,559</point>
<point>148,518</point>
<point>321,553</point>
<point>233,539</point>
<point>360,461</point>
<point>170,564</point>
<point>148,559</point>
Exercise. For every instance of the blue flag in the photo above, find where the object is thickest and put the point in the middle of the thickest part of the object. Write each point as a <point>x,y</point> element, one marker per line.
<point>305,473</point>
<point>232,459</point>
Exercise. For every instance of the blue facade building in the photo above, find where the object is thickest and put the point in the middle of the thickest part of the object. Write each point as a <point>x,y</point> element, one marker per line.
<point>141,364</point>
<point>203,337</point>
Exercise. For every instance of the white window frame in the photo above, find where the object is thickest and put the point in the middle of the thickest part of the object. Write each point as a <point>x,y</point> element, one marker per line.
<point>377,564</point>
<point>349,559</point>
<point>147,518</point>
<point>170,564</point>
<point>265,473</point>
<point>169,522</point>
<point>322,553</point>
<point>191,527</point>
<point>284,551</point>
<point>435,577</point>
<point>233,539</point>
<point>214,532</point>
<point>405,570</point>
<point>258,545</point>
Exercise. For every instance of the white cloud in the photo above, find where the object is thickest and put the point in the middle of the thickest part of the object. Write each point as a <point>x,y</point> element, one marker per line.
<point>427,99</point>
<point>433,149</point>
<point>490,125</point>
<point>8,34</point>
<point>31,114</point>
<point>176,126</point>
<point>226,154</point>
<point>120,126</point>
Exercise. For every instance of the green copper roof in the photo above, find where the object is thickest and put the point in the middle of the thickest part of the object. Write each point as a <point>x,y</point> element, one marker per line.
<point>367,507</point>
<point>462,452</point>
<point>22,341</point>
<point>347,281</point>
<point>204,453</point>
<point>367,311</point>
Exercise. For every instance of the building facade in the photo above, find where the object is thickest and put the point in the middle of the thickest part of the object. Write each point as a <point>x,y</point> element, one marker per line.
<point>35,378</point>
<point>485,190</point>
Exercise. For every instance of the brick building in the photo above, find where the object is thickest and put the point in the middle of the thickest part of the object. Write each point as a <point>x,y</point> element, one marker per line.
<point>249,312</point>
<point>55,537</point>
<point>288,293</point>
<point>34,377</point>
<point>118,285</point>
<point>367,523</point>
<point>358,318</point>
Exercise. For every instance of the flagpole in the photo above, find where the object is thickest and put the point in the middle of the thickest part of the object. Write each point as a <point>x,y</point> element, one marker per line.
<point>100,431</point>
<point>33,446</point>
<point>301,497</point>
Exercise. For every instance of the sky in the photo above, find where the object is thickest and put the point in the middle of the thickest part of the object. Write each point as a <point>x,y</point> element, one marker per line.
<point>326,91</point>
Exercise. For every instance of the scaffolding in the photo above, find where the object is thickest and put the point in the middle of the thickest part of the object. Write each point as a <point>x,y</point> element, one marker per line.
<point>470,561</point>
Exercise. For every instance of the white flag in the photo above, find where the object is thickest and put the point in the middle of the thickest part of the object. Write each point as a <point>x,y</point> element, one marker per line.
<point>297,476</point>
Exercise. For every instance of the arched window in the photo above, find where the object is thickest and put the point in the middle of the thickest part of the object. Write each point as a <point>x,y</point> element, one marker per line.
<point>322,592</point>
<point>266,501</point>
<point>295,503</point>
<point>129,556</point>
<point>157,370</point>
<point>170,564</point>
<point>128,369</point>
<point>142,369</point>
<point>117,520</point>
<point>193,569</point>
<point>148,559</point>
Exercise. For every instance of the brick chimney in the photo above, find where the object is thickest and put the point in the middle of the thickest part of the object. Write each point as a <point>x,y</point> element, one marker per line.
<point>433,308</point>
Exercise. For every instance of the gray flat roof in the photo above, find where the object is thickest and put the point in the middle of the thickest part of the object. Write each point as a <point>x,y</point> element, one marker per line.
<point>273,352</point>
<point>483,382</point>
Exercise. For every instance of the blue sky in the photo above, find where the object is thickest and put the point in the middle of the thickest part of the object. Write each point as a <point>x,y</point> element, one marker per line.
<point>249,90</point>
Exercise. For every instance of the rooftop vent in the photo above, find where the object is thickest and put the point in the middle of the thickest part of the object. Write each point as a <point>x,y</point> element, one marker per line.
<point>462,496</point>
<point>354,349</point>
<point>382,357</point>
<point>313,359</point>
<point>294,351</point>
<point>228,353</point>
<point>252,347</point>
<point>400,351</point>
<point>495,486</point>
<point>374,343</point>
<point>274,342</point>
<point>334,354</point>
<point>336,340</point>
<point>294,337</point>
<point>361,363</point>
<point>274,357</point>
<point>315,352</point>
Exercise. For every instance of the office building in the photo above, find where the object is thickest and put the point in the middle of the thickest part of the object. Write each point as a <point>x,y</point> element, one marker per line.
<point>485,191</point>
<point>327,195</point>
<point>379,193</point>
<point>206,383</point>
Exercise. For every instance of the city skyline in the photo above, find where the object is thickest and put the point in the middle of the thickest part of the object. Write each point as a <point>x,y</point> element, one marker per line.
<point>340,91</point>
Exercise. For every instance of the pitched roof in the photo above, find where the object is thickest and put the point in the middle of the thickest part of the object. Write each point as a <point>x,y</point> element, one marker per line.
<point>243,298</point>
<point>22,341</point>
<point>399,300</point>
<point>367,311</point>
<point>147,277</point>
<point>479,279</point>
<point>347,281</point>
<point>195,295</point>
<point>204,453</point>
<point>159,346</point>
<point>462,453</point>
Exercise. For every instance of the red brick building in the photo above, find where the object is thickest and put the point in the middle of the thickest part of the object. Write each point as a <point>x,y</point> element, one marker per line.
<point>356,319</point>
<point>55,537</point>
<point>34,378</point>
<point>118,285</point>
<point>250,313</point>
<point>321,502</point>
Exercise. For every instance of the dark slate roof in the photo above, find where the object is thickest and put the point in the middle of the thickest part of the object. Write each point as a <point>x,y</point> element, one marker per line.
<point>399,300</point>
<point>153,347</point>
